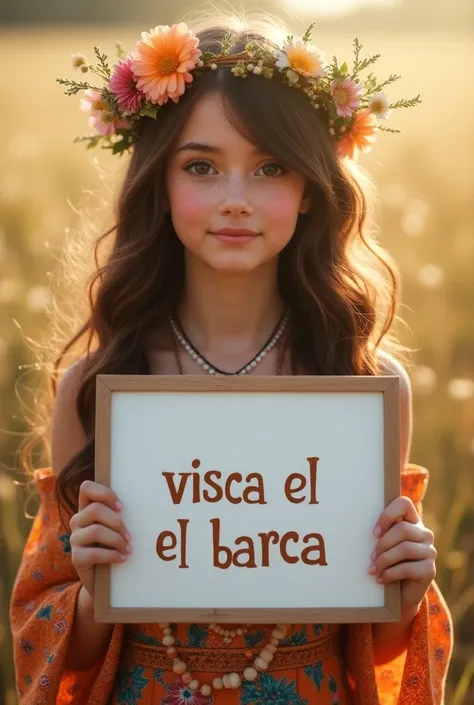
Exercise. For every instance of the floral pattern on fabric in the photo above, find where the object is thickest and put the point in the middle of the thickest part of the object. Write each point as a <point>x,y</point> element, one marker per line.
<point>42,611</point>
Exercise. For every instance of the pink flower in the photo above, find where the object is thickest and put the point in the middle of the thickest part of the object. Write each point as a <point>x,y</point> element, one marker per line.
<point>346,95</point>
<point>181,694</point>
<point>101,118</point>
<point>123,85</point>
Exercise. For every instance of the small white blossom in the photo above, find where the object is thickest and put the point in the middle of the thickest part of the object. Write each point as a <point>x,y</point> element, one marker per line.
<point>78,61</point>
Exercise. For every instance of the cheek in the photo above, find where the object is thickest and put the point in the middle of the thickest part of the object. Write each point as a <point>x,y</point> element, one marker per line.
<point>189,204</point>
<point>282,208</point>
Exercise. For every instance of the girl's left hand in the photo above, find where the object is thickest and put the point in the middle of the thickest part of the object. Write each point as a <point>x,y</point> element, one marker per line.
<point>404,551</point>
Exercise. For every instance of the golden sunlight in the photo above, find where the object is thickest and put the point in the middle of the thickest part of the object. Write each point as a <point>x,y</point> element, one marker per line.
<point>334,7</point>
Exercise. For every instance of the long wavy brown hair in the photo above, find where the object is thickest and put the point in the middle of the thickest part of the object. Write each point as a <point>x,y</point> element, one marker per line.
<point>340,285</point>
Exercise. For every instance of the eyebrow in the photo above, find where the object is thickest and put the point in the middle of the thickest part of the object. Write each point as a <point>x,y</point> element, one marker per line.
<point>210,149</point>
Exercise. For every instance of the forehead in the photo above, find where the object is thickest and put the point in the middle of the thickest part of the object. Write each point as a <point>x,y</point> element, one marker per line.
<point>209,123</point>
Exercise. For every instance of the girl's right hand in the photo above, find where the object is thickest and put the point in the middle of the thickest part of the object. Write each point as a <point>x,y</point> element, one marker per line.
<point>98,534</point>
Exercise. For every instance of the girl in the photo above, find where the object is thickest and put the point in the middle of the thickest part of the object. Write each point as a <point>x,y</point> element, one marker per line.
<point>241,246</point>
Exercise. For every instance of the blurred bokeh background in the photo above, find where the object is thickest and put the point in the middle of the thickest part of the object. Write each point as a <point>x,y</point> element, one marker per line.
<point>426,184</point>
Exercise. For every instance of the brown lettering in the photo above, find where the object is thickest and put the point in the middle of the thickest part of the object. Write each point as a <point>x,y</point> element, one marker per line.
<point>233,477</point>
<point>217,548</point>
<point>259,489</point>
<point>209,481</point>
<point>320,548</point>
<point>183,525</point>
<point>249,551</point>
<point>266,538</point>
<point>313,471</point>
<point>176,494</point>
<point>290,491</point>
<point>289,536</point>
<point>161,547</point>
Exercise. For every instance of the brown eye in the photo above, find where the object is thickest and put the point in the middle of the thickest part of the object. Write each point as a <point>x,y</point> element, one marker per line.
<point>271,169</point>
<point>198,168</point>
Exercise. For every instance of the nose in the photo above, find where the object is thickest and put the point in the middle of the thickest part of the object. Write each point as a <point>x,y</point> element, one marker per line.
<point>235,201</point>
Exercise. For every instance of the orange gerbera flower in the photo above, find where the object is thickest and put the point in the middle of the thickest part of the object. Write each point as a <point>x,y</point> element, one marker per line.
<point>162,62</point>
<point>361,136</point>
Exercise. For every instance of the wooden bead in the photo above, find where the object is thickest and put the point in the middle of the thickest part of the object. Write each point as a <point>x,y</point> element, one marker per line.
<point>250,674</point>
<point>217,684</point>
<point>168,640</point>
<point>163,625</point>
<point>171,651</point>
<point>179,667</point>
<point>206,689</point>
<point>234,680</point>
<point>194,685</point>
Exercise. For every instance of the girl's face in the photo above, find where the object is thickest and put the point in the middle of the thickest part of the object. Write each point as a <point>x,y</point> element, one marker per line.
<point>232,207</point>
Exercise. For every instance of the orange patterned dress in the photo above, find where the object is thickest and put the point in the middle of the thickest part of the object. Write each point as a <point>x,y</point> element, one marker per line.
<point>316,664</point>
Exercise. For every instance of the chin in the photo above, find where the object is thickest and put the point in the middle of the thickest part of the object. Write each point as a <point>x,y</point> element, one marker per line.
<point>234,263</point>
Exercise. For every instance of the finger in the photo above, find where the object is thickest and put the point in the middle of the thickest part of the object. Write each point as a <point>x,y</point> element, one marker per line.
<point>90,491</point>
<point>400,508</point>
<point>98,513</point>
<point>98,534</point>
<point>405,551</point>
<point>86,558</point>
<point>420,571</point>
<point>402,531</point>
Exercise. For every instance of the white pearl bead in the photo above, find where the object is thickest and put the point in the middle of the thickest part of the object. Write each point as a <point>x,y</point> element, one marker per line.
<point>214,67</point>
<point>271,647</point>
<point>217,684</point>
<point>171,651</point>
<point>187,678</point>
<point>278,633</point>
<point>234,680</point>
<point>266,655</point>
<point>274,641</point>
<point>260,664</point>
<point>168,640</point>
<point>206,689</point>
<point>226,681</point>
<point>180,667</point>
<point>194,685</point>
<point>250,674</point>
<point>227,640</point>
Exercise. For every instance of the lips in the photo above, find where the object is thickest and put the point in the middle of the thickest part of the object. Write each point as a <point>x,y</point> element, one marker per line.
<point>235,236</point>
<point>236,232</point>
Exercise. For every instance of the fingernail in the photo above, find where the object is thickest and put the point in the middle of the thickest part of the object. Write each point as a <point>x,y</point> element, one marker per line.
<point>127,536</point>
<point>129,549</point>
<point>373,555</point>
<point>118,505</point>
<point>372,569</point>
<point>122,557</point>
<point>380,580</point>
<point>377,530</point>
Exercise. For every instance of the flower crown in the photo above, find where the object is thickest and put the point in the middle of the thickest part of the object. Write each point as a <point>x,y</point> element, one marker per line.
<point>166,59</point>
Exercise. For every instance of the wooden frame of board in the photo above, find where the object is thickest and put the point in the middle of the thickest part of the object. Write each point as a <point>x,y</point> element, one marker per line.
<point>387,386</point>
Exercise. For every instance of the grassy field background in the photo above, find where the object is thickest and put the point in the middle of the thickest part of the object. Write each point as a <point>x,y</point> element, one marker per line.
<point>426,185</point>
